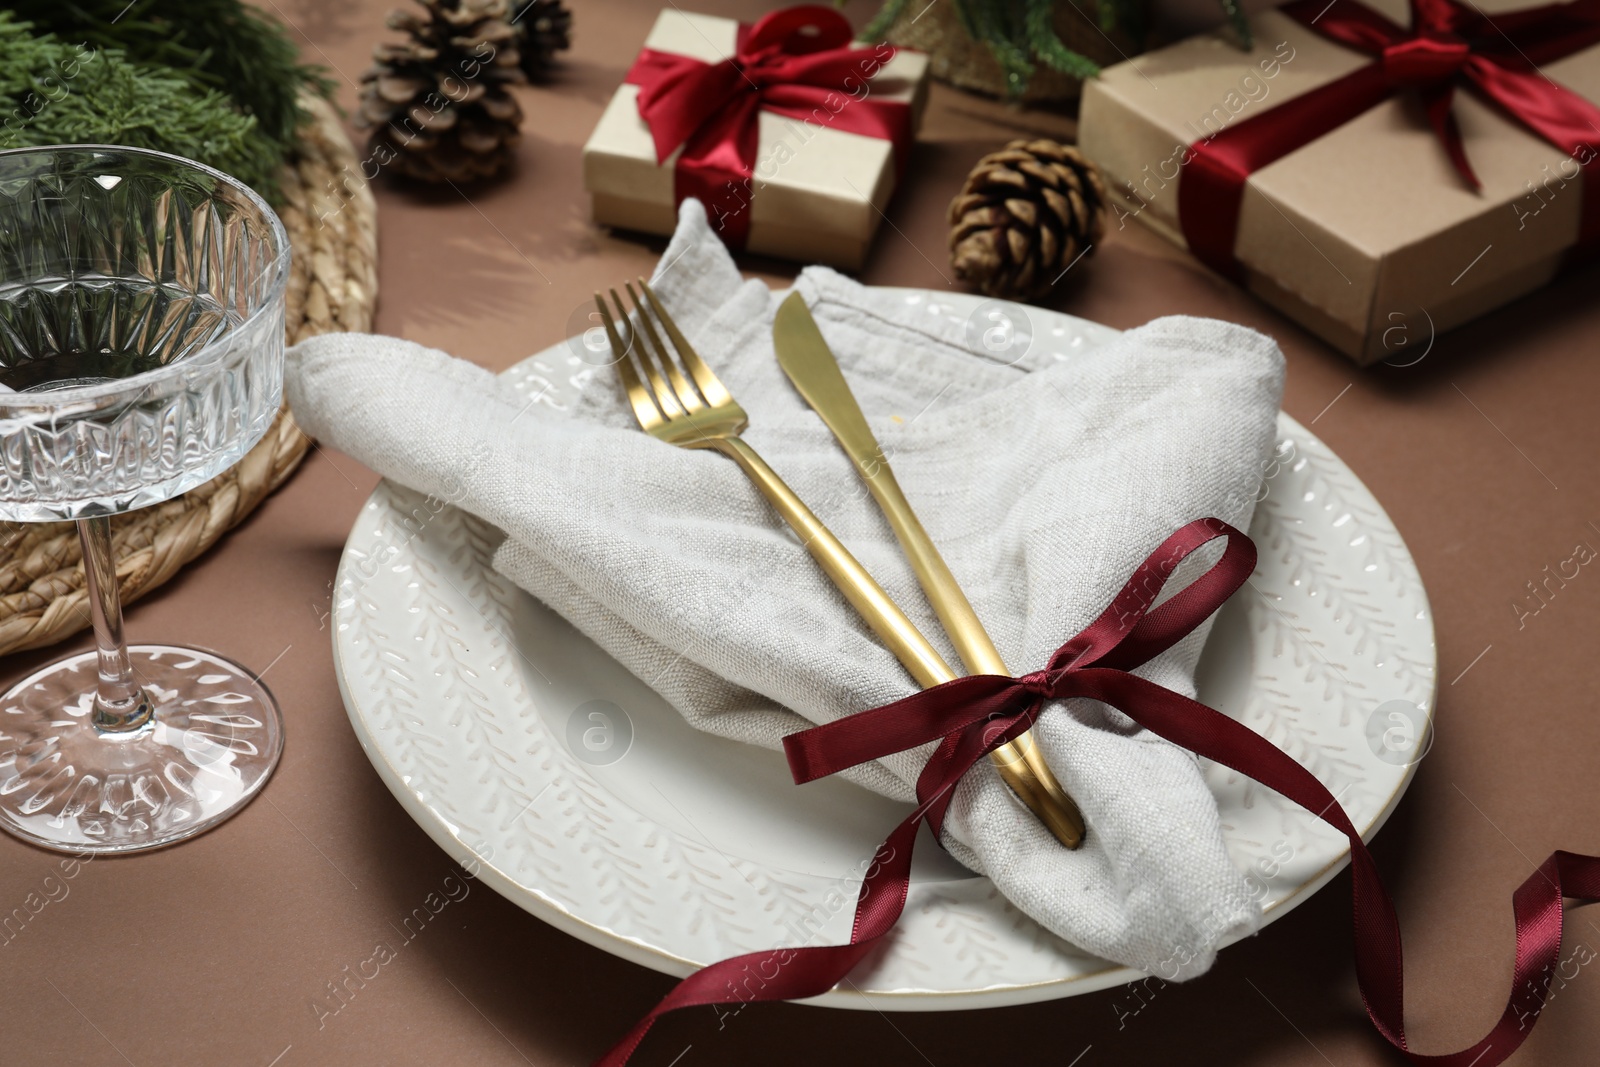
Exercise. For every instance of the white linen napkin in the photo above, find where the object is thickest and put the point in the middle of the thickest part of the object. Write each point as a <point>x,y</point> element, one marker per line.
<point>1044,484</point>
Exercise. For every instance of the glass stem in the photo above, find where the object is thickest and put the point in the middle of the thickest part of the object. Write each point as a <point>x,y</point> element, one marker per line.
<point>120,704</point>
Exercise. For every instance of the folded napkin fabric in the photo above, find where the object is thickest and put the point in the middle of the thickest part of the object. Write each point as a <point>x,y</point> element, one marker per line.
<point>1044,481</point>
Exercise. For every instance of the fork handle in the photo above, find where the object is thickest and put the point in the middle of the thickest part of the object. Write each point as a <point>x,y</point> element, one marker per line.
<point>1019,762</point>
<point>863,592</point>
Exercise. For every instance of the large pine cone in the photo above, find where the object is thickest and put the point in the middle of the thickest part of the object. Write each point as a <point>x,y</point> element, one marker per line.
<point>437,103</point>
<point>1026,214</point>
<point>544,28</point>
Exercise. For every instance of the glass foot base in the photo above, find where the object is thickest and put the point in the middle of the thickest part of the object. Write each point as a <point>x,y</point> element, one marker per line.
<point>213,742</point>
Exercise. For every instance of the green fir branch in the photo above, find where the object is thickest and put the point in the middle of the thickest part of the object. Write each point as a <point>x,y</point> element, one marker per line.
<point>1047,45</point>
<point>1021,33</point>
<point>1106,15</point>
<point>53,92</point>
<point>222,45</point>
<point>1236,18</point>
<point>990,21</point>
<point>887,16</point>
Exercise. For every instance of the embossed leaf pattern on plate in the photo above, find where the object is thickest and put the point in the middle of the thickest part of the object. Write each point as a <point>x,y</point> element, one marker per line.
<point>449,689</point>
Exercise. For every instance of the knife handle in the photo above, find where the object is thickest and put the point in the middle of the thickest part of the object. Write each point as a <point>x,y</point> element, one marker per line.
<point>1020,763</point>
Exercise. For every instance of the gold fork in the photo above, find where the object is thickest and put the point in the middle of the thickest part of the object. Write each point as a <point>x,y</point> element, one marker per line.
<point>705,415</point>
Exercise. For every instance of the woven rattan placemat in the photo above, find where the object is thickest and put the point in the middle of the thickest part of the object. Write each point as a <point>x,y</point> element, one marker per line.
<point>332,224</point>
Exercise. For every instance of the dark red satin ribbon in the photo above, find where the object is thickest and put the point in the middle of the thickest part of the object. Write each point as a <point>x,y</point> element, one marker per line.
<point>1448,43</point>
<point>794,63</point>
<point>972,716</point>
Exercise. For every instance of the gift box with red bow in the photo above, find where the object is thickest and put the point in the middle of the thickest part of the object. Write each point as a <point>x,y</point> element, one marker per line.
<point>792,134</point>
<point>1336,170</point>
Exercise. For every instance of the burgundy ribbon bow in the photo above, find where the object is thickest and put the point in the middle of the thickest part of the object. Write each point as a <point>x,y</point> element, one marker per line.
<point>793,62</point>
<point>1449,43</point>
<point>972,716</point>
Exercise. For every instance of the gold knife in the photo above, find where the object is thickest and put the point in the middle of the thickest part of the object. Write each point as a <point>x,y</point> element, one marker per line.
<point>810,365</point>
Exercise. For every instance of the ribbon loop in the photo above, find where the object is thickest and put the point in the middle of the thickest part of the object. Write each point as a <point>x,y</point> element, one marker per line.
<point>797,31</point>
<point>969,717</point>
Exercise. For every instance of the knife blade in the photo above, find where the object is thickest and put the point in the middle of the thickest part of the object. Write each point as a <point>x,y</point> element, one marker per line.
<point>810,364</point>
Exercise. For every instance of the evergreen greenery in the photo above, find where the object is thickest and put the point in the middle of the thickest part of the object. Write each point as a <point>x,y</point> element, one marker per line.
<point>1021,33</point>
<point>53,92</point>
<point>224,45</point>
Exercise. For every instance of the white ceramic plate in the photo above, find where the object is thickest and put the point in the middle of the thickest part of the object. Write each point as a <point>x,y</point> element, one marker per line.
<point>531,756</point>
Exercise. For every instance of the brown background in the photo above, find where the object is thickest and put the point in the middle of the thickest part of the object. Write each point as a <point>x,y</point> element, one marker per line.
<point>1485,453</point>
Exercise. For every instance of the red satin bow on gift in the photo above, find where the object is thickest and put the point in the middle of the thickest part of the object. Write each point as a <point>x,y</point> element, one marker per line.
<point>794,63</point>
<point>1449,43</point>
<point>970,717</point>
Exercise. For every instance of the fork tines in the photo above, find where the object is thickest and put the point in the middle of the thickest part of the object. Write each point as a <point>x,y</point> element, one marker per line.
<point>664,393</point>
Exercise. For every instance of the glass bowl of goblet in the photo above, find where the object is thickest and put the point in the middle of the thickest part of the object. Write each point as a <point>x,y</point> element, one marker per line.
<point>141,355</point>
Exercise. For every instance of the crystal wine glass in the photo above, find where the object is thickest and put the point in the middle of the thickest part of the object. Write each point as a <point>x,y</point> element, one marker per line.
<point>141,347</point>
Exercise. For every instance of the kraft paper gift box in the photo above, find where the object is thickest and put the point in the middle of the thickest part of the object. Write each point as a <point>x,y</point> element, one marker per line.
<point>818,193</point>
<point>1368,235</point>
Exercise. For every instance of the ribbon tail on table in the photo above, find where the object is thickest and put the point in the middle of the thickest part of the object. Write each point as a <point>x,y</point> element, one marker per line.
<point>972,716</point>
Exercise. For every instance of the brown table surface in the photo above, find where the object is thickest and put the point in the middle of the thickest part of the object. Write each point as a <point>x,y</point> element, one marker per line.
<point>1485,454</point>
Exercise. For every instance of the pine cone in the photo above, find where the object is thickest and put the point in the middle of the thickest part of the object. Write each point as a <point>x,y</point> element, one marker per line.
<point>544,28</point>
<point>1025,214</point>
<point>437,103</point>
